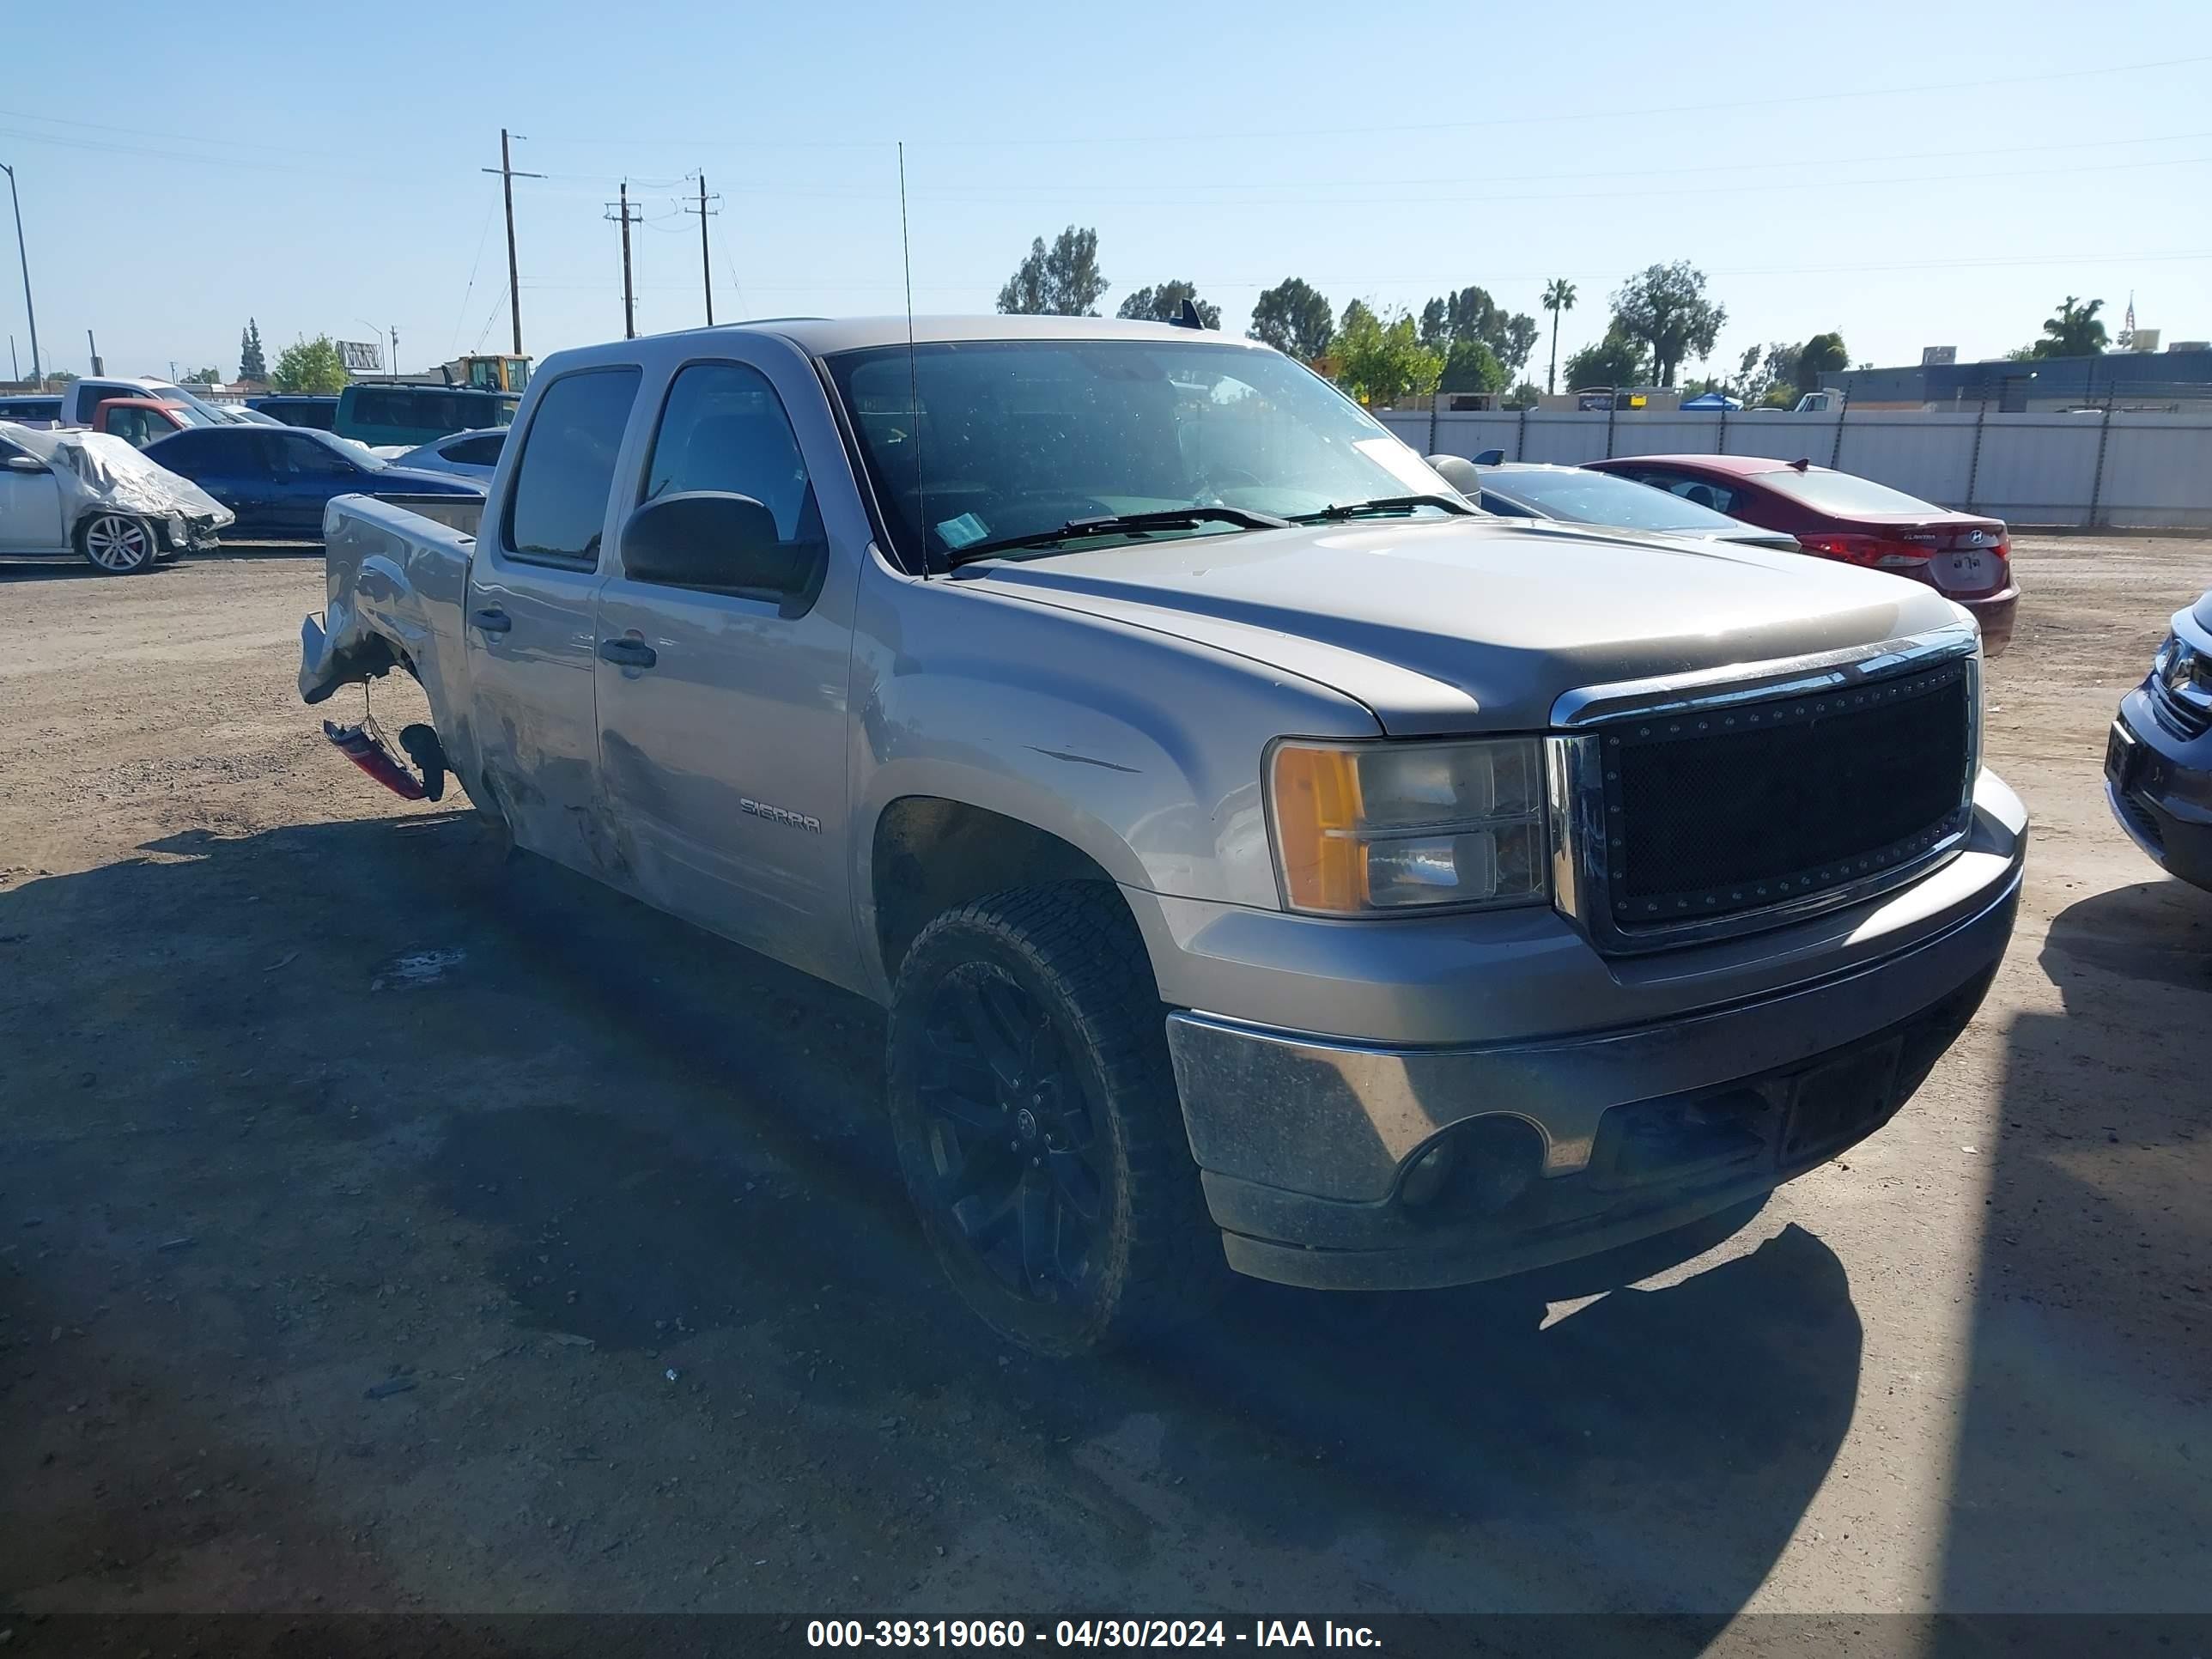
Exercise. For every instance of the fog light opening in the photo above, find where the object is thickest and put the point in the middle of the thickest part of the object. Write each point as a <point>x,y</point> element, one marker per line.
<point>1480,1167</point>
<point>1429,1174</point>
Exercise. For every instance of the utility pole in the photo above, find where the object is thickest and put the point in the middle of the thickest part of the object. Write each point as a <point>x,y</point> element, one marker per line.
<point>628,212</point>
<point>93,346</point>
<point>706,261</point>
<point>507,175</point>
<point>37,373</point>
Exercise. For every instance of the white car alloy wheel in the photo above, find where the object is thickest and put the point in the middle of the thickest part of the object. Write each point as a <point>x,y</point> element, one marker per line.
<point>116,544</point>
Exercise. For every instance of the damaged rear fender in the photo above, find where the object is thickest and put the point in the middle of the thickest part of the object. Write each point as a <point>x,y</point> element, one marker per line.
<point>395,584</point>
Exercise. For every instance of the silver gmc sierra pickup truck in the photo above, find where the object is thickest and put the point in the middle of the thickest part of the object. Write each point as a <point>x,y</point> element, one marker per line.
<point>1267,860</point>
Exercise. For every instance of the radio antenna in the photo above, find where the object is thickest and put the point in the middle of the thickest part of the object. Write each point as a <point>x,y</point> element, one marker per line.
<point>912,380</point>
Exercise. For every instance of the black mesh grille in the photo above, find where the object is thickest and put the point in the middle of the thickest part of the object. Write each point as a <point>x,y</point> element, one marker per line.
<point>1741,808</point>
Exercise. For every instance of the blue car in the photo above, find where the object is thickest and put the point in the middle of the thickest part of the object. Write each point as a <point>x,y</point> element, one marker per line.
<point>277,479</point>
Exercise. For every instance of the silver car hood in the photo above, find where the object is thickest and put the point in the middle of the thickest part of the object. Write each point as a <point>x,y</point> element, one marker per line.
<point>1476,624</point>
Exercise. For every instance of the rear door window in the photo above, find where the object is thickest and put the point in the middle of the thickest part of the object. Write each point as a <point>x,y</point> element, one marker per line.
<point>197,449</point>
<point>309,458</point>
<point>556,512</point>
<point>475,452</point>
<point>1699,492</point>
<point>379,406</point>
<point>133,426</point>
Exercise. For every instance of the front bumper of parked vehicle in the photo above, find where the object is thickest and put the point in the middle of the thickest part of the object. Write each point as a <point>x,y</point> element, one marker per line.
<point>1339,1163</point>
<point>2158,782</point>
<point>198,536</point>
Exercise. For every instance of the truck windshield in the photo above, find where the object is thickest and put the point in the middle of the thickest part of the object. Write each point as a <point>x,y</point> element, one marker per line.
<point>1014,438</point>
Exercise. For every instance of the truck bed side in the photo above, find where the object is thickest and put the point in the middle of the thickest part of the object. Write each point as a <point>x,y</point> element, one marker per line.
<point>395,589</point>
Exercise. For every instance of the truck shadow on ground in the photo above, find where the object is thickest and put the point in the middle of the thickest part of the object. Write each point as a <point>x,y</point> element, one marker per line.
<point>2082,1434</point>
<point>659,1143</point>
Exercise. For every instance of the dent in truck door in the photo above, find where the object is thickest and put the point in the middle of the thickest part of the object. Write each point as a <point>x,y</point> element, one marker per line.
<point>529,622</point>
<point>724,757</point>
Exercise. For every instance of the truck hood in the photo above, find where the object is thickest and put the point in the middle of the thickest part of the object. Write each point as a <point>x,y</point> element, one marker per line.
<point>1476,624</point>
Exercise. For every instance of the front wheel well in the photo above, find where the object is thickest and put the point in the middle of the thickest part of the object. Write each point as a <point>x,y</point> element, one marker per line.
<point>932,855</point>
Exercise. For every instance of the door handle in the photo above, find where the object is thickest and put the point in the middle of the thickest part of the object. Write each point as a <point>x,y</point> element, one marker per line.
<point>627,653</point>
<point>491,621</point>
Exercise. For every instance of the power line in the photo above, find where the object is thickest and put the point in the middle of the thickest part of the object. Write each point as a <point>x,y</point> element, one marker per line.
<point>1795,164</point>
<point>1291,192</point>
<point>2098,257</point>
<point>461,320</point>
<point>1152,135</point>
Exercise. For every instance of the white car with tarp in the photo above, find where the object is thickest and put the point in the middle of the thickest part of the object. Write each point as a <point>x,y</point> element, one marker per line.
<point>89,495</point>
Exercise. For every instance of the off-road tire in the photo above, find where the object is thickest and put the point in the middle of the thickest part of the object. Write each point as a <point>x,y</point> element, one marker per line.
<point>1155,1259</point>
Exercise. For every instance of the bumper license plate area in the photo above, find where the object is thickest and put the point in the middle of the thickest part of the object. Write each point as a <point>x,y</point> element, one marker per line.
<point>2122,751</point>
<point>1841,1101</point>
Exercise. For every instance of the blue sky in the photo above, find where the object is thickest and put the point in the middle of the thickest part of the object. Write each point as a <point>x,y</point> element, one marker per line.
<point>1912,174</point>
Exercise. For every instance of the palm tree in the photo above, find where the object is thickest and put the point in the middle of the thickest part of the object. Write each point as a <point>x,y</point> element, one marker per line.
<point>2074,331</point>
<point>1559,296</point>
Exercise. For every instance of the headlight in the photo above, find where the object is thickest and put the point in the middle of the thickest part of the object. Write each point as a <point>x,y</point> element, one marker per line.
<point>1363,828</point>
<point>2163,660</point>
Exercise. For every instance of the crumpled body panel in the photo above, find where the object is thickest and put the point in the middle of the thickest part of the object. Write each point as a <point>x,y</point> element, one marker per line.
<point>397,584</point>
<point>97,470</point>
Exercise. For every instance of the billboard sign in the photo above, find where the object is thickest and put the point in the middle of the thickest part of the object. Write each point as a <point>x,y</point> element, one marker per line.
<point>1932,355</point>
<point>361,357</point>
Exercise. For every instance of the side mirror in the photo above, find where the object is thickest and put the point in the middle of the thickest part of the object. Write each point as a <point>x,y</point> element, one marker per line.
<point>1459,472</point>
<point>26,463</point>
<point>722,542</point>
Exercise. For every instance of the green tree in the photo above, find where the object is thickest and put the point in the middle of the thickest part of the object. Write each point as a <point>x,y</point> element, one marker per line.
<point>1559,296</point>
<point>1780,395</point>
<point>1469,314</point>
<point>1295,318</point>
<point>1665,307</point>
<point>1520,331</point>
<point>1823,353</point>
<point>1061,281</point>
<point>203,377</point>
<point>1617,360</point>
<point>251,365</point>
<point>1471,366</point>
<point>2074,332</point>
<point>1164,304</point>
<point>1379,362</point>
<point>1523,396</point>
<point>1765,368</point>
<point>309,365</point>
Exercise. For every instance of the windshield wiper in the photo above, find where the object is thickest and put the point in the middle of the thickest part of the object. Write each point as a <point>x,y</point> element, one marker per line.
<point>1176,518</point>
<point>1385,504</point>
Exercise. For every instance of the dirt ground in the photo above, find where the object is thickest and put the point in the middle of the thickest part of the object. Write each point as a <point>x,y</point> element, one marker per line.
<point>381,1230</point>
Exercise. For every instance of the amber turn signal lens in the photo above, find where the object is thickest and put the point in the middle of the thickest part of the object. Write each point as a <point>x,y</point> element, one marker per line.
<point>1316,810</point>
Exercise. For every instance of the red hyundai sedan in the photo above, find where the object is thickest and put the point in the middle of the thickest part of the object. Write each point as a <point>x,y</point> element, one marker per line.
<point>1965,558</point>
